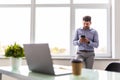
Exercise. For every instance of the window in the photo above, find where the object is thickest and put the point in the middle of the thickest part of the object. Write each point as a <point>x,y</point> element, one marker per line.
<point>52,1</point>
<point>15,26</point>
<point>91,1</point>
<point>15,1</point>
<point>53,29</point>
<point>99,13</point>
<point>53,22</point>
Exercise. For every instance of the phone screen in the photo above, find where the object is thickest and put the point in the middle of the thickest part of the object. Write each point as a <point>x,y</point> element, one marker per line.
<point>82,36</point>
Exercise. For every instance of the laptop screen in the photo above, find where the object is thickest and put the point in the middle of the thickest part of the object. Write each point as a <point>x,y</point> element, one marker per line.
<point>38,58</point>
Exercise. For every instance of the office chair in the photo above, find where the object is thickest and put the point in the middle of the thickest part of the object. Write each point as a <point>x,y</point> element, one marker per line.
<point>114,66</point>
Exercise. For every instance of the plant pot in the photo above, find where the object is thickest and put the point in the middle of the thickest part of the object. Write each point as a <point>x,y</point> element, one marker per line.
<point>16,63</point>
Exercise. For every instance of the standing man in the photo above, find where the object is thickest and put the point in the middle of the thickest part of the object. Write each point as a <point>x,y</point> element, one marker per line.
<point>86,39</point>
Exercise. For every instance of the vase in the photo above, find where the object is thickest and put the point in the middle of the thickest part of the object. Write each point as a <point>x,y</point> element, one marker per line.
<point>16,63</point>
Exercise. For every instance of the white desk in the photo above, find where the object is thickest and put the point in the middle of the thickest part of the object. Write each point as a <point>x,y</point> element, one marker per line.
<point>25,74</point>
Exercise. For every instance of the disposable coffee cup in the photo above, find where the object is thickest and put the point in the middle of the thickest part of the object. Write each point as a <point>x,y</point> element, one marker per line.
<point>76,67</point>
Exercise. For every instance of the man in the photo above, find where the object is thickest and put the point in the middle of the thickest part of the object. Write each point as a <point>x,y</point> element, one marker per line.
<point>86,39</point>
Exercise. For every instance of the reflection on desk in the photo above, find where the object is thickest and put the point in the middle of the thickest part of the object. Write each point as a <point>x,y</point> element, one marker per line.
<point>87,74</point>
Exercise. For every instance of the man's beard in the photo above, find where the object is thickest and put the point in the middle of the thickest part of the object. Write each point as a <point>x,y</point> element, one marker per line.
<point>86,27</point>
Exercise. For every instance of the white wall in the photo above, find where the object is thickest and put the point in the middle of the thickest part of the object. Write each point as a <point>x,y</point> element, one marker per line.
<point>98,64</point>
<point>116,28</point>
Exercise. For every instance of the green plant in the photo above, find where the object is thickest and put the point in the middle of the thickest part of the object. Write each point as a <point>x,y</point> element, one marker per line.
<point>14,50</point>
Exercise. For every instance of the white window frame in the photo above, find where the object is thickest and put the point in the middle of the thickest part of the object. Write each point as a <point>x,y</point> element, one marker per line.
<point>72,6</point>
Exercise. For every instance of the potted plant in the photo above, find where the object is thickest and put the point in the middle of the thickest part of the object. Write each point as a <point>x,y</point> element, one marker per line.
<point>16,52</point>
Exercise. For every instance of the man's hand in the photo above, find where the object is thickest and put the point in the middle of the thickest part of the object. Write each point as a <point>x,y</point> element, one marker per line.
<point>84,40</point>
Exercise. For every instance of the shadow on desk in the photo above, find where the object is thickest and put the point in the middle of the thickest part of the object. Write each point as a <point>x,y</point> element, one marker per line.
<point>41,76</point>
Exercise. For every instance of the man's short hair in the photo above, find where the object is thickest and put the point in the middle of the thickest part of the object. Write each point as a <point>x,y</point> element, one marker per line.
<point>87,18</point>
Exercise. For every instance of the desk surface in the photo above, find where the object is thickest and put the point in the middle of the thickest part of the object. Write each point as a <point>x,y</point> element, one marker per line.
<point>87,74</point>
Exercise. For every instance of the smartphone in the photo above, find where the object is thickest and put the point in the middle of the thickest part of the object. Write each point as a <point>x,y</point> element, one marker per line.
<point>82,36</point>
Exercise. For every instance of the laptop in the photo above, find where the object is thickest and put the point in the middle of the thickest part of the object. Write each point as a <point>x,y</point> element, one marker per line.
<point>39,59</point>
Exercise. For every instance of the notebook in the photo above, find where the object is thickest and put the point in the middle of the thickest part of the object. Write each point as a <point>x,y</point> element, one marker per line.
<point>39,59</point>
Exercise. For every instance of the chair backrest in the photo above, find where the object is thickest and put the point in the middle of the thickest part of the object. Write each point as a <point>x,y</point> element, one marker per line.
<point>114,66</point>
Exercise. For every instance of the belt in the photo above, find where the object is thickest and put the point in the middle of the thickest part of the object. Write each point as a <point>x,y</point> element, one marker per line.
<point>85,51</point>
